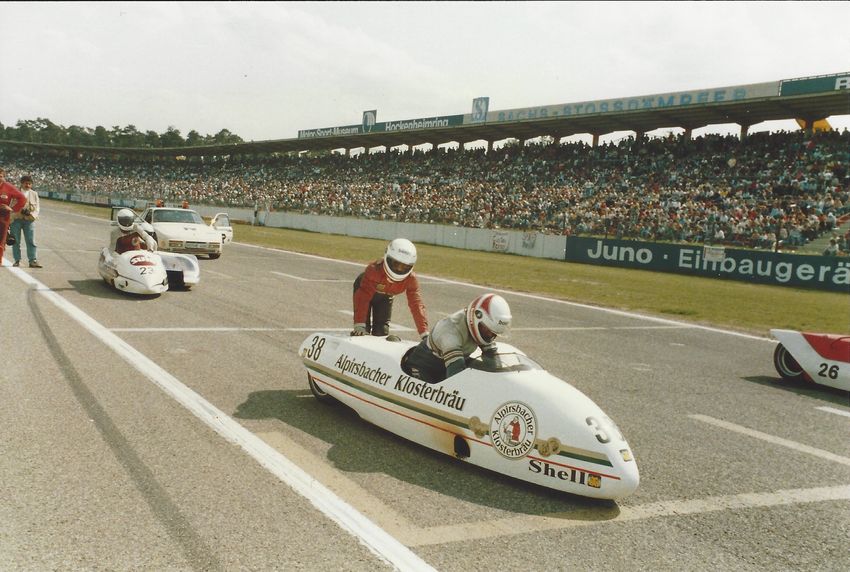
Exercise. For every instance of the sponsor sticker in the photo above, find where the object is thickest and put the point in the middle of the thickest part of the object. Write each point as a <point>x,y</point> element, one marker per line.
<point>141,260</point>
<point>512,430</point>
<point>573,475</point>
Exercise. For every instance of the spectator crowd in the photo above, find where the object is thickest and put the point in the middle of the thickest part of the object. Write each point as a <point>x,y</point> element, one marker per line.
<point>768,189</point>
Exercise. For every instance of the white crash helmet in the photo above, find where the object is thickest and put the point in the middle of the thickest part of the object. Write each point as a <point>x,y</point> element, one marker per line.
<point>488,316</point>
<point>399,259</point>
<point>126,218</point>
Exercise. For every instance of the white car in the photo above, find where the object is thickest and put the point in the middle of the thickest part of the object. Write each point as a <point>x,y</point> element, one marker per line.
<point>183,230</point>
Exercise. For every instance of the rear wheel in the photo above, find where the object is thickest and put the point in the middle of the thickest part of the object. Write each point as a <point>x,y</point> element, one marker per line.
<point>317,391</point>
<point>215,256</point>
<point>786,365</point>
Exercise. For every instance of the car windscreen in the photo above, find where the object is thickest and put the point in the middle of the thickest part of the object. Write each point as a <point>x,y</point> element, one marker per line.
<point>503,362</point>
<point>177,216</point>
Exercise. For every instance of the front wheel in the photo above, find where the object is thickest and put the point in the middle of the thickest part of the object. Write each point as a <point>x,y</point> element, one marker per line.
<point>317,391</point>
<point>786,365</point>
<point>215,256</point>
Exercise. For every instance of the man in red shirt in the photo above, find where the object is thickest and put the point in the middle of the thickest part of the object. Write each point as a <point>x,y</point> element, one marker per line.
<point>11,201</point>
<point>375,287</point>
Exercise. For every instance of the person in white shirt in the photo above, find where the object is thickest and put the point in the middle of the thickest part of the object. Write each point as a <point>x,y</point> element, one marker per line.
<point>24,222</point>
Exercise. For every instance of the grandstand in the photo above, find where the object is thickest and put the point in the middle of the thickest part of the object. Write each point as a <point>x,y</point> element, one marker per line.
<point>809,100</point>
<point>762,191</point>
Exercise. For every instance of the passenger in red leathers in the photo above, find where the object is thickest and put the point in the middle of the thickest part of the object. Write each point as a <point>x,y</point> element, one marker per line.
<point>12,200</point>
<point>375,287</point>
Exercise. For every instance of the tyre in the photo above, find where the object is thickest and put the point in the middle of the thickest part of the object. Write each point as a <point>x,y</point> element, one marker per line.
<point>786,365</point>
<point>317,391</point>
<point>215,256</point>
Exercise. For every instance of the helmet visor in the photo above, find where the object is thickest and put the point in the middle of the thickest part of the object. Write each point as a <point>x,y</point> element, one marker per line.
<point>399,267</point>
<point>486,335</point>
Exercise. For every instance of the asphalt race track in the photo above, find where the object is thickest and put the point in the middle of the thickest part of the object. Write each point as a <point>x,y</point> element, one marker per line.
<point>178,433</point>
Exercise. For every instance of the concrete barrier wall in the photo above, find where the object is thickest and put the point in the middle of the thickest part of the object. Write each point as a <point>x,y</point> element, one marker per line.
<point>510,241</point>
<point>533,244</point>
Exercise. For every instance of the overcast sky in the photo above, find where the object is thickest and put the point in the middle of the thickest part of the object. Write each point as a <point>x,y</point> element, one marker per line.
<point>266,70</point>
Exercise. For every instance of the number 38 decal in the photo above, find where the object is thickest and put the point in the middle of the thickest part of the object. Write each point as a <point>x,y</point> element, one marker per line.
<point>315,349</point>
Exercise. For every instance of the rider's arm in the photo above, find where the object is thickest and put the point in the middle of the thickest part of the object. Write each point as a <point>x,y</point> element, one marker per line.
<point>150,243</point>
<point>448,344</point>
<point>416,305</point>
<point>17,199</point>
<point>455,366</point>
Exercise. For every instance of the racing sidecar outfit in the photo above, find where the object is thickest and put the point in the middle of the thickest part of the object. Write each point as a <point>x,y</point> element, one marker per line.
<point>444,352</point>
<point>373,300</point>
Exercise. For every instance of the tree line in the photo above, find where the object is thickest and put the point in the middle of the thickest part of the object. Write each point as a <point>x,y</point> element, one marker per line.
<point>43,130</point>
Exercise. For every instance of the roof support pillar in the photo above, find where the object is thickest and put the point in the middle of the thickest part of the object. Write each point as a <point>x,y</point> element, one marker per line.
<point>807,125</point>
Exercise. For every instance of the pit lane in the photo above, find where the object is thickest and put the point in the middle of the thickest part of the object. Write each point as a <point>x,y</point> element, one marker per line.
<point>736,471</point>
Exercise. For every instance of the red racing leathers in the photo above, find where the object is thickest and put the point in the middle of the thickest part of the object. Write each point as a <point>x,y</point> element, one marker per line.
<point>9,193</point>
<point>376,281</point>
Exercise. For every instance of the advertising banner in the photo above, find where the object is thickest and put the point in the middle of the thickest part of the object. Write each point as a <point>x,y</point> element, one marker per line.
<point>830,273</point>
<point>480,107</point>
<point>369,125</point>
<point>370,118</point>
<point>500,241</point>
<point>619,105</point>
<point>814,84</point>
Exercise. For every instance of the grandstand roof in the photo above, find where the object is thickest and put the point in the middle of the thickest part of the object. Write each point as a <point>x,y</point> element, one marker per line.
<point>811,107</point>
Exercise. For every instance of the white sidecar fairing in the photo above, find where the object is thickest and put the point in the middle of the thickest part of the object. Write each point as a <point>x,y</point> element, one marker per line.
<point>183,270</point>
<point>818,358</point>
<point>515,418</point>
<point>134,271</point>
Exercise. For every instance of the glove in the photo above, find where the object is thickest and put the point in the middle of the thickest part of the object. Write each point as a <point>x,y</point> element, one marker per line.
<point>359,330</point>
<point>489,360</point>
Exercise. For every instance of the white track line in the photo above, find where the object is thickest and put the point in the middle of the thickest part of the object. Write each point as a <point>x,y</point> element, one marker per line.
<point>582,328</point>
<point>843,412</point>
<point>302,279</point>
<point>773,439</point>
<point>378,541</point>
<point>210,329</point>
<point>501,528</point>
<point>229,329</point>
